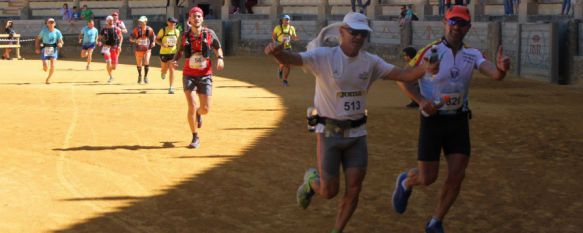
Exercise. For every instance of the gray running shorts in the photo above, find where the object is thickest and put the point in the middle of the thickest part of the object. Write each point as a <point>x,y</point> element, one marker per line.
<point>202,85</point>
<point>348,152</point>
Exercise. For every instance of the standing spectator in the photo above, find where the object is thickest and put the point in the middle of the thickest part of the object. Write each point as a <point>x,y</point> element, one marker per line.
<point>86,13</point>
<point>76,14</point>
<point>249,5</point>
<point>8,29</point>
<point>515,6</point>
<point>508,7</point>
<point>565,7</point>
<point>66,12</point>
<point>402,15</point>
<point>362,7</point>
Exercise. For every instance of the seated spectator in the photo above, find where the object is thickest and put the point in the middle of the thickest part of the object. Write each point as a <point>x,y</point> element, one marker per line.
<point>76,14</point>
<point>86,13</point>
<point>66,12</point>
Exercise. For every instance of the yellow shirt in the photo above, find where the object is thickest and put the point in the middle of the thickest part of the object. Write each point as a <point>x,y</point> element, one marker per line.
<point>170,39</point>
<point>285,35</point>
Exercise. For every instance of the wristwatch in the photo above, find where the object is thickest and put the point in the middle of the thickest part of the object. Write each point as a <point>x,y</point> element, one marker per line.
<point>220,57</point>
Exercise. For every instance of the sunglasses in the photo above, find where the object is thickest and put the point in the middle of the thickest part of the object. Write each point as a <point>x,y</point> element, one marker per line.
<point>459,22</point>
<point>354,32</point>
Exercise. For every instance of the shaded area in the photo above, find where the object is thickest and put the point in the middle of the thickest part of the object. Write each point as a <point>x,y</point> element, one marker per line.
<point>517,176</point>
<point>206,157</point>
<point>236,87</point>
<point>165,145</point>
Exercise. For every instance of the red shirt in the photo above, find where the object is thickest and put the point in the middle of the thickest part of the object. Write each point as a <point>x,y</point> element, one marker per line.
<point>196,51</point>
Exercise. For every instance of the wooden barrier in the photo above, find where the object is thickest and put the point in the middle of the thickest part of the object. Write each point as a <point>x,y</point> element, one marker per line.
<point>16,45</point>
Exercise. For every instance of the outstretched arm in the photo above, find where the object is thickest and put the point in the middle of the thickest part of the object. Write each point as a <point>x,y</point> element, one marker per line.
<point>283,56</point>
<point>496,71</point>
<point>413,73</point>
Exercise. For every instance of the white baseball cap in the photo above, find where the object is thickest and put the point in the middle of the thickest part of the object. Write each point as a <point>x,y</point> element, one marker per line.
<point>108,18</point>
<point>356,21</point>
<point>143,19</point>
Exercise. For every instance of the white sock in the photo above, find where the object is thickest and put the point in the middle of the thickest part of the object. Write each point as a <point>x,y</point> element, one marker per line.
<point>403,184</point>
<point>434,220</point>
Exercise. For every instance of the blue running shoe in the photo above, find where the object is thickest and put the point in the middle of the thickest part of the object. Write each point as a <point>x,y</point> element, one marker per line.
<point>305,192</point>
<point>400,195</point>
<point>285,83</point>
<point>436,227</point>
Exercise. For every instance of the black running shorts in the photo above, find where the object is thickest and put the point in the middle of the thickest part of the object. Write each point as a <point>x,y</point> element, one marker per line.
<point>448,132</point>
<point>202,85</point>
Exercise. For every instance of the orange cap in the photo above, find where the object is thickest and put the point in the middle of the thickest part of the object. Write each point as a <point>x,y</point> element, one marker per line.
<point>458,11</point>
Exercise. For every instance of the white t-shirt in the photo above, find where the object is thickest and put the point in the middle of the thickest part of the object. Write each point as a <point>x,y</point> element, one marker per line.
<point>342,83</point>
<point>451,84</point>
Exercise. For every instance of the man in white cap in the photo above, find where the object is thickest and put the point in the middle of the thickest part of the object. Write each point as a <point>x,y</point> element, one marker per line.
<point>144,38</point>
<point>344,75</point>
<point>47,43</point>
<point>109,39</point>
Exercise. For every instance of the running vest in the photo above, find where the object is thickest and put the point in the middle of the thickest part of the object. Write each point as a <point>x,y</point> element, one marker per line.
<point>110,36</point>
<point>197,53</point>
<point>142,45</point>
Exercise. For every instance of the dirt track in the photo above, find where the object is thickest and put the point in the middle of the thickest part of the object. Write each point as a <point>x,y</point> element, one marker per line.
<point>82,156</point>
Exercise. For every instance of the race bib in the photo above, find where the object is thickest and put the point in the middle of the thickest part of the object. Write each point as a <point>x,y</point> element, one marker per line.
<point>451,101</point>
<point>351,103</point>
<point>142,42</point>
<point>197,61</point>
<point>49,51</point>
<point>105,50</point>
<point>171,41</point>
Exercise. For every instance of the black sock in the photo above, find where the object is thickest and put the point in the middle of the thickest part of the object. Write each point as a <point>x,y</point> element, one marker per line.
<point>140,71</point>
<point>194,136</point>
<point>146,68</point>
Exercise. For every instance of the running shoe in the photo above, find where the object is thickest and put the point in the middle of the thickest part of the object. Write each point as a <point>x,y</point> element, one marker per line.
<point>146,80</point>
<point>171,90</point>
<point>110,79</point>
<point>285,83</point>
<point>305,193</point>
<point>139,79</point>
<point>413,104</point>
<point>436,227</point>
<point>195,143</point>
<point>400,195</point>
<point>87,67</point>
<point>198,120</point>
<point>163,76</point>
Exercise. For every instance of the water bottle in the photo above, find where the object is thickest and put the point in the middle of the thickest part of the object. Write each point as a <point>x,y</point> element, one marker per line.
<point>312,116</point>
<point>433,57</point>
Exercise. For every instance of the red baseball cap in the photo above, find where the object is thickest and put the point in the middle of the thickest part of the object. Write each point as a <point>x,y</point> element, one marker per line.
<point>115,13</point>
<point>196,9</point>
<point>458,11</point>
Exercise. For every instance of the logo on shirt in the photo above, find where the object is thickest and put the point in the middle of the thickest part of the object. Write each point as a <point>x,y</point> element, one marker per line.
<point>363,76</point>
<point>454,73</point>
<point>343,94</point>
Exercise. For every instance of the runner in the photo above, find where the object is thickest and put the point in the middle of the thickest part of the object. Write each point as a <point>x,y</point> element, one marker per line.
<point>87,40</point>
<point>167,39</point>
<point>109,39</point>
<point>144,38</point>
<point>47,43</point>
<point>445,113</point>
<point>343,75</point>
<point>119,23</point>
<point>197,72</point>
<point>284,33</point>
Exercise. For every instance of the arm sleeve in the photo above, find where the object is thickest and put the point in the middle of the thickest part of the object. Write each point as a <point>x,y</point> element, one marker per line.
<point>479,59</point>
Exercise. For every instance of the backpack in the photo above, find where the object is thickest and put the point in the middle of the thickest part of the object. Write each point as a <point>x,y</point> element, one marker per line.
<point>205,44</point>
<point>140,34</point>
<point>110,36</point>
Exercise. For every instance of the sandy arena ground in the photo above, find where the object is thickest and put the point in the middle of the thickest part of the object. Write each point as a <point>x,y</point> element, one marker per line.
<point>80,155</point>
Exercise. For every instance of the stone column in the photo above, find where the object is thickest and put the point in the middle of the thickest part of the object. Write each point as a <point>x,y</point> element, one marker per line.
<point>124,11</point>
<point>275,11</point>
<point>476,9</point>
<point>324,10</point>
<point>423,8</point>
<point>527,8</point>
<point>225,10</point>
<point>374,10</point>
<point>577,8</point>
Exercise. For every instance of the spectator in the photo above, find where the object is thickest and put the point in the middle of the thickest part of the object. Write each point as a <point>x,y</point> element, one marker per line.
<point>565,7</point>
<point>515,6</point>
<point>66,12</point>
<point>508,9</point>
<point>362,7</point>
<point>249,5</point>
<point>86,13</point>
<point>402,15</point>
<point>76,14</point>
<point>8,30</point>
